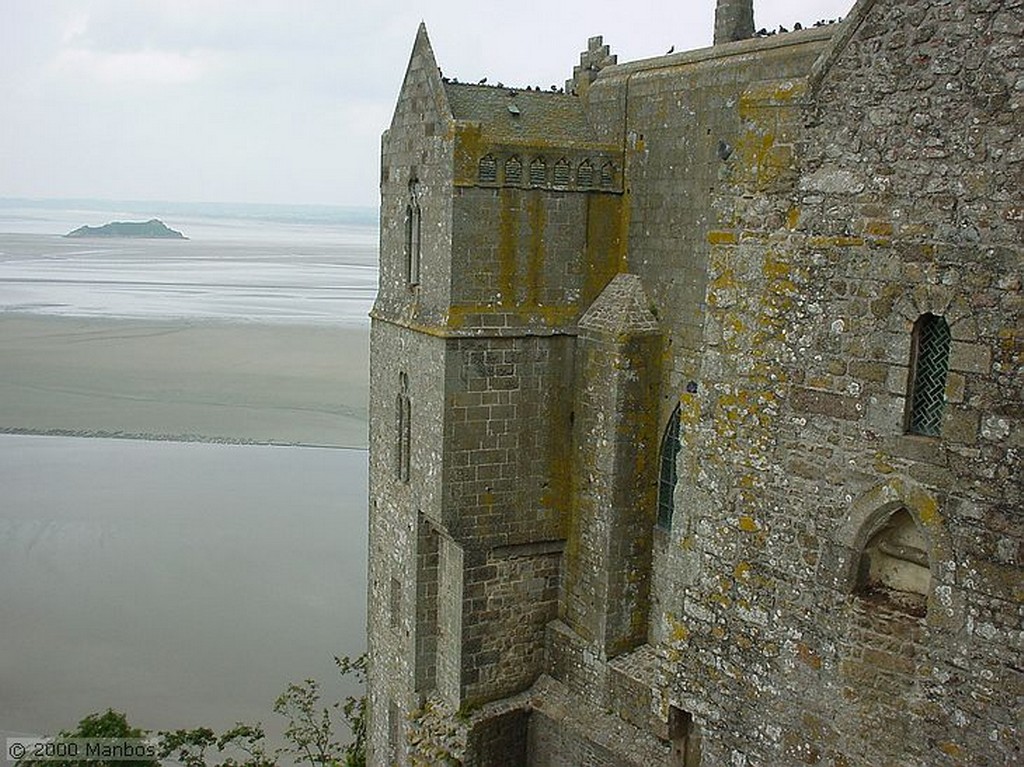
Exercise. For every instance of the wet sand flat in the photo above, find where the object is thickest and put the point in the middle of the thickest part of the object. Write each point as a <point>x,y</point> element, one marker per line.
<point>184,380</point>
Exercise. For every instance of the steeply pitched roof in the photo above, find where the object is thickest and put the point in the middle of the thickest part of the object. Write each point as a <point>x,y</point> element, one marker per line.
<point>512,115</point>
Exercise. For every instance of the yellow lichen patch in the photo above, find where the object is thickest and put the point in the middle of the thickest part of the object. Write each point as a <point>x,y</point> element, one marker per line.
<point>535,258</point>
<point>748,524</point>
<point>808,656</point>
<point>926,506</point>
<point>842,241</point>
<point>727,279</point>
<point>687,543</point>
<point>882,467</point>
<point>677,631</point>
<point>879,228</point>
<point>776,269</point>
<point>950,748</point>
<point>792,218</point>
<point>742,571</point>
<point>718,237</point>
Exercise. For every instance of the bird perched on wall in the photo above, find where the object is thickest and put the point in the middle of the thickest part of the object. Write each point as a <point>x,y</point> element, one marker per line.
<point>670,50</point>
<point>482,81</point>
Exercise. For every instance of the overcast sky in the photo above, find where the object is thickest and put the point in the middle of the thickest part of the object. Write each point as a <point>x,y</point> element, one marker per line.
<point>277,101</point>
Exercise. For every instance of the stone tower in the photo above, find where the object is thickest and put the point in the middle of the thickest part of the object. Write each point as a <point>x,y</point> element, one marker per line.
<point>734,20</point>
<point>696,408</point>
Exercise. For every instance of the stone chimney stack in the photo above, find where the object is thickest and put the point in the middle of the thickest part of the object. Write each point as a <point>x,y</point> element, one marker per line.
<point>734,20</point>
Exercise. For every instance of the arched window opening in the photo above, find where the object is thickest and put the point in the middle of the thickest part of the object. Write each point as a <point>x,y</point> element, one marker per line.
<point>403,437</point>
<point>607,175</point>
<point>585,174</point>
<point>488,170</point>
<point>513,171</point>
<point>563,172</point>
<point>894,567</point>
<point>668,476</point>
<point>929,367</point>
<point>538,172</point>
<point>412,235</point>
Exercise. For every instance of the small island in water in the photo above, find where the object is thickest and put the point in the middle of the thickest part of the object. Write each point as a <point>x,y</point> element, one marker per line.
<point>154,228</point>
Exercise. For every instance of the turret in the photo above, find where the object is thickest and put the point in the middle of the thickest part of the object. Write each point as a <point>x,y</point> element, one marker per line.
<point>734,20</point>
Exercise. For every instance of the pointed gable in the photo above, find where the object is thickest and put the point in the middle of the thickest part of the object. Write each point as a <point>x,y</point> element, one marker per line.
<point>422,96</point>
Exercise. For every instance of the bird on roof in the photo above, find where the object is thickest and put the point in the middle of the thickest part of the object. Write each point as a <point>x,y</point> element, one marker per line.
<point>670,50</point>
<point>782,29</point>
<point>797,27</point>
<point>482,81</point>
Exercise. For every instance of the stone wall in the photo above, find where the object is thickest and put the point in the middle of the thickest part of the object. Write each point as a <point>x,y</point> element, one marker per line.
<point>796,445</point>
<point>833,587</point>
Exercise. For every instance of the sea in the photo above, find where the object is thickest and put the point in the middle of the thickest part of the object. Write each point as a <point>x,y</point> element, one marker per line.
<point>184,584</point>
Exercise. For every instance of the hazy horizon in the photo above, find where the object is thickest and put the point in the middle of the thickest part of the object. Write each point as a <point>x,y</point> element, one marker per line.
<point>274,103</point>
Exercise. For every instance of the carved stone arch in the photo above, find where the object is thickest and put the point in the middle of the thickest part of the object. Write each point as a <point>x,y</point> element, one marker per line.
<point>872,511</point>
<point>940,300</point>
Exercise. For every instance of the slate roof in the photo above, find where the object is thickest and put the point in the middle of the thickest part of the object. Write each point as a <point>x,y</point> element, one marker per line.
<point>542,116</point>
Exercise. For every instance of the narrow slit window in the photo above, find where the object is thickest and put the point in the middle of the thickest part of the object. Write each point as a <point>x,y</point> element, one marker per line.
<point>668,476</point>
<point>513,171</point>
<point>929,368</point>
<point>488,170</point>
<point>412,236</point>
<point>403,437</point>
<point>607,175</point>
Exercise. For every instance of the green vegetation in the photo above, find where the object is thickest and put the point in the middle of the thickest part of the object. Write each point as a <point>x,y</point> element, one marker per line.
<point>309,736</point>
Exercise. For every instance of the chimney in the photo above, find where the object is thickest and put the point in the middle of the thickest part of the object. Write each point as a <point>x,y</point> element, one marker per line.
<point>734,20</point>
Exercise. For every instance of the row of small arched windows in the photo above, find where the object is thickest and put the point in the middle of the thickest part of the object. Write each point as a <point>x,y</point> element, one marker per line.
<point>562,174</point>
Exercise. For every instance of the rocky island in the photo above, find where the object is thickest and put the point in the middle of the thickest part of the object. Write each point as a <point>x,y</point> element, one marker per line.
<point>152,229</point>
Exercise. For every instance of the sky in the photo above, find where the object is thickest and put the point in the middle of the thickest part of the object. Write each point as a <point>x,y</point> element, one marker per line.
<point>278,101</point>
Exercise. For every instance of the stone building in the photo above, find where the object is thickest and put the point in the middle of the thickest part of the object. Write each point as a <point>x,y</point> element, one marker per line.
<point>696,403</point>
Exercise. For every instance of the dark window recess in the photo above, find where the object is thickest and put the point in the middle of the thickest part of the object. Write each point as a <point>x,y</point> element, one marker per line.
<point>513,171</point>
<point>488,170</point>
<point>667,476</point>
<point>403,441</point>
<point>929,369</point>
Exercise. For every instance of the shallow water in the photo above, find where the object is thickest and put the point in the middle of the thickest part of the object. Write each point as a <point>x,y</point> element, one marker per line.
<point>306,280</point>
<point>185,584</point>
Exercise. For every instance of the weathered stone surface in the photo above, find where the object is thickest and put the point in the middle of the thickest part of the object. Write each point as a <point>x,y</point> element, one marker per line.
<point>739,242</point>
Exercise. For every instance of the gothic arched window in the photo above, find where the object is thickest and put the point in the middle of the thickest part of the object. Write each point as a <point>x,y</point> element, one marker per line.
<point>563,172</point>
<point>513,170</point>
<point>585,174</point>
<point>538,172</point>
<point>667,475</point>
<point>929,366</point>
<point>488,170</point>
<point>403,436</point>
